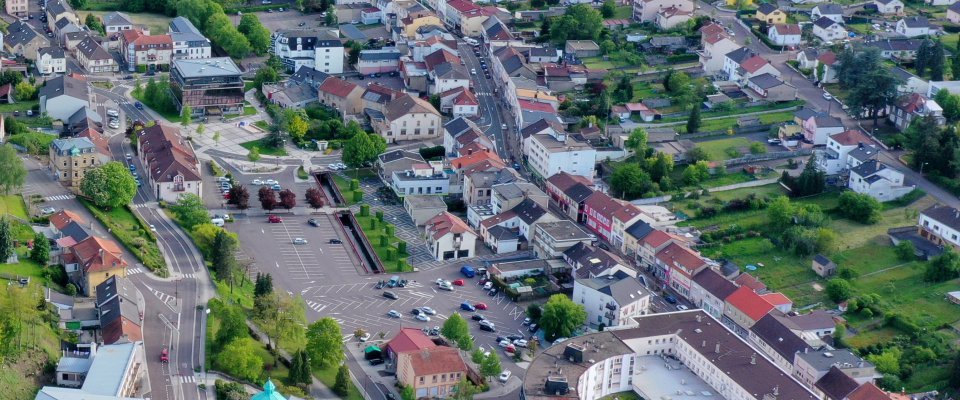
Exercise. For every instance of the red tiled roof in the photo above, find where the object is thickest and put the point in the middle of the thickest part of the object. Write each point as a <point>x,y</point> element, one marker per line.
<point>828,58</point>
<point>563,181</point>
<point>602,204</point>
<point>168,155</point>
<point>491,164</point>
<point>749,303</point>
<point>868,391</point>
<point>776,299</point>
<point>97,139</point>
<point>98,254</point>
<point>438,360</point>
<point>754,63</point>
<point>439,57</point>
<point>680,258</point>
<point>626,213</point>
<point>472,147</point>
<point>912,102</point>
<point>787,29</point>
<point>337,87</point>
<point>749,281</point>
<point>410,339</point>
<point>712,29</point>
<point>64,217</point>
<point>466,97</point>
<point>462,6</point>
<point>158,41</point>
<point>657,238</point>
<point>535,106</point>
<point>712,39</point>
<point>474,158</point>
<point>445,223</point>
<point>498,219</point>
<point>851,137</point>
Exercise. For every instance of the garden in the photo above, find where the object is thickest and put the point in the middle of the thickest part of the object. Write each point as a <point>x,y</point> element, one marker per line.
<point>382,236</point>
<point>133,233</point>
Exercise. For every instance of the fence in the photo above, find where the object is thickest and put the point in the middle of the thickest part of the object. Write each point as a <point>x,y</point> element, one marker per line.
<point>767,157</point>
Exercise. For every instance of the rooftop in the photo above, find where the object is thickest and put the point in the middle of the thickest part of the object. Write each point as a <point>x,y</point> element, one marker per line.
<point>564,230</point>
<point>206,67</point>
<point>109,369</point>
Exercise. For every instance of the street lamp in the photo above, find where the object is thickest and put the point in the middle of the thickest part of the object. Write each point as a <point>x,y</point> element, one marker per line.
<point>921,168</point>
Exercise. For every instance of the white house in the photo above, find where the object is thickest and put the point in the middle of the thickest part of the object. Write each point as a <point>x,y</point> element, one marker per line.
<point>913,26</point>
<point>913,106</point>
<point>833,159</point>
<point>716,44</point>
<point>447,76</point>
<point>421,179</point>
<point>709,289</point>
<point>784,34</point>
<point>116,21</point>
<point>612,300</point>
<point>647,10</point>
<point>953,13</point>
<point>940,225</point>
<point>889,6</point>
<point>879,181</point>
<point>743,64</point>
<point>51,60</point>
<point>460,102</point>
<point>173,168</point>
<point>828,30</point>
<point>63,96</point>
<point>671,17</point>
<point>188,42</point>
<point>409,118</point>
<point>551,153</point>
<point>449,238</point>
<point>829,10</point>
<point>909,83</point>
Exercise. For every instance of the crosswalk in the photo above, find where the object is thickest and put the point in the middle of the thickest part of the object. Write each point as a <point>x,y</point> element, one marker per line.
<point>60,197</point>
<point>316,306</point>
<point>188,379</point>
<point>140,205</point>
<point>484,94</point>
<point>134,271</point>
<point>188,276</point>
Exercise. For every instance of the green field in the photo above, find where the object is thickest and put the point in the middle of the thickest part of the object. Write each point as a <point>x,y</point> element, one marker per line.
<point>19,106</point>
<point>158,23</point>
<point>717,148</point>
<point>264,150</point>
<point>598,63</point>
<point>375,235</point>
<point>13,205</point>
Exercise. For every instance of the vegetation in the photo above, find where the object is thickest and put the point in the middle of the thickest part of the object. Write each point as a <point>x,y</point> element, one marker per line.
<point>109,186</point>
<point>455,328</point>
<point>871,86</point>
<point>859,207</point>
<point>255,32</point>
<point>362,149</point>
<point>580,22</point>
<point>133,233</point>
<point>13,174</point>
<point>210,18</point>
<point>561,316</point>
<point>324,343</point>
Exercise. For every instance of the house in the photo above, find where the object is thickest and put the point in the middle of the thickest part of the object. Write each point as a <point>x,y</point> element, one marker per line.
<point>598,209</point>
<point>412,23</point>
<point>835,158</point>
<point>913,26</point>
<point>648,248</point>
<point>612,300</point>
<point>71,158</point>
<point>146,52</point>
<point>552,239</point>
<point>953,13</point>
<point>807,58</point>
<point>779,301</point>
<point>318,49</point>
<point>553,153</point>
<point>812,326</point>
<point>460,102</point>
<point>889,6</point>
<point>770,88</point>
<point>409,118</point>
<point>709,290</point>
<point>422,208</point>
<point>211,86</point>
<point>421,179</point>
<point>743,64</point>
<point>289,95</point>
<point>624,218</point>
<point>568,192</point>
<point>784,34</point>
<point>940,225</point>
<point>914,106</point>
<point>121,316</point>
<point>394,161</point>
<point>810,366</point>
<point>647,10</point>
<point>378,61</point>
<point>879,181</point>
<point>835,385</point>
<point>828,29</point>
<point>407,340</point>
<point>448,76</point>
<point>310,77</point>
<point>817,128</point>
<point>51,60</point>
<point>897,49</point>
<point>172,166</point>
<point>92,261</point>
<point>716,44</point>
<point>22,40</point>
<point>829,10</point>
<point>744,307</point>
<point>63,96</point>
<point>461,132</point>
<point>115,21</point>
<point>770,14</point>
<point>510,191</point>
<point>432,373</point>
<point>511,230</point>
<point>496,33</point>
<point>777,341</point>
<point>16,8</point>
<point>449,238</point>
<point>188,42</point>
<point>65,26</point>
<point>671,17</point>
<point>589,261</point>
<point>582,48</point>
<point>94,58</point>
<point>112,371</point>
<point>370,16</point>
<point>680,264</point>
<point>340,95</point>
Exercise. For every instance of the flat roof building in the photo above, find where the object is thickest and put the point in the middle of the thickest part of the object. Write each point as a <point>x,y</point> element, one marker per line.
<point>210,86</point>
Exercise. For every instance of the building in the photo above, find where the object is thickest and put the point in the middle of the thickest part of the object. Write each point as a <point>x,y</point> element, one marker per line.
<point>421,179</point>
<point>770,14</point>
<point>146,52</point>
<point>555,152</point>
<point>289,94</point>
<point>914,106</point>
<point>612,300</point>
<point>953,13</point>
<point>63,96</point>
<point>22,40</point>
<point>567,192</point>
<point>598,209</point>
<point>836,157</point>
<point>340,95</point>
<point>835,385</point>
<point>810,366</point>
<point>512,230</point>
<point>318,49</point>
<point>209,86</point>
<point>898,49</point>
<point>113,371</point>
<point>913,26</point>
<point>889,6</point>
<point>589,261</point>
<point>94,58</point>
<point>743,64</point>
<point>784,34</point>
<point>582,48</point>
<point>71,158</point>
<point>371,15</point>
<point>172,167</point>
<point>777,341</point>
<point>879,181</point>
<point>679,264</point>
<point>828,30</point>
<point>57,9</point>
<point>830,10</point>
<point>823,266</point>
<point>120,312</point>
<point>431,373</point>
<point>716,44</point>
<point>409,118</point>
<point>449,238</point>
<point>743,308</point>
<point>188,42</point>
<point>114,22</point>
<point>671,17</point>
<point>940,225</point>
<point>91,261</point>
<point>407,340</point>
<point>662,354</point>
<point>460,102</point>
<point>709,291</point>
<point>396,161</point>
<point>647,10</point>
<point>552,239</point>
<point>422,208</point>
<point>51,60</point>
<point>17,8</point>
<point>770,88</point>
<point>818,127</point>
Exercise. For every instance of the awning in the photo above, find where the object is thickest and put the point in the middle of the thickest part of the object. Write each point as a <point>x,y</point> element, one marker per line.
<point>371,349</point>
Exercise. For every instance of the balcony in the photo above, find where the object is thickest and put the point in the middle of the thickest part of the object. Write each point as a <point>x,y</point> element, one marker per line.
<point>610,315</point>
<point>611,306</point>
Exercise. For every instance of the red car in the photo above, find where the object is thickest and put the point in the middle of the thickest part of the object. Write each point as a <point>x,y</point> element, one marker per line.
<point>480,306</point>
<point>226,196</point>
<point>164,355</point>
<point>273,219</point>
<point>458,282</point>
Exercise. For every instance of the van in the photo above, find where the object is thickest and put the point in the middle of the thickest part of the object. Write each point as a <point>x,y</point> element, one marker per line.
<point>394,281</point>
<point>468,271</point>
<point>217,222</point>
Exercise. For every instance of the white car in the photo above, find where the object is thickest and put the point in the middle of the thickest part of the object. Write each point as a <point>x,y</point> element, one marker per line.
<point>428,310</point>
<point>446,286</point>
<point>827,96</point>
<point>490,324</point>
<point>423,317</point>
<point>153,228</point>
<point>299,241</point>
<point>114,124</point>
<point>488,286</point>
<point>270,182</point>
<point>505,376</point>
<point>112,112</point>
<point>365,337</point>
<point>223,179</point>
<point>520,343</point>
<point>682,307</point>
<point>257,182</point>
<point>439,281</point>
<point>393,314</point>
<point>341,166</point>
<point>333,166</point>
<point>473,71</point>
<point>504,343</point>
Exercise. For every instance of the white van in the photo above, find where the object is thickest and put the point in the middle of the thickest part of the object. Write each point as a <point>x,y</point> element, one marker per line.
<point>217,222</point>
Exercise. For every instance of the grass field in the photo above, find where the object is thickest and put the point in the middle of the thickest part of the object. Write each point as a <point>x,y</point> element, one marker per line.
<point>717,148</point>
<point>598,63</point>
<point>158,23</point>
<point>623,12</point>
<point>264,150</point>
<point>19,106</point>
<point>344,186</point>
<point>13,205</point>
<point>329,377</point>
<point>374,236</point>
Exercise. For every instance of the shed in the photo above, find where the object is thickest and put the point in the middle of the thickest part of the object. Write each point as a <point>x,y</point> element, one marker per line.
<point>954,297</point>
<point>823,266</point>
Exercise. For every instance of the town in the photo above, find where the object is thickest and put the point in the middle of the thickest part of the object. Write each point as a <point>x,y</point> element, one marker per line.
<point>462,199</point>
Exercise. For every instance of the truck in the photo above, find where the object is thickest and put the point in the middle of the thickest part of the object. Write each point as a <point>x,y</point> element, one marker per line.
<point>468,271</point>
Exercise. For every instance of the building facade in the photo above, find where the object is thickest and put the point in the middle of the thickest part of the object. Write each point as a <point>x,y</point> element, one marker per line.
<point>209,86</point>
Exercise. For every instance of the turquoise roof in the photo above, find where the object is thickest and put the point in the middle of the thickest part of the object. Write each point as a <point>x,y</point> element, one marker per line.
<point>269,392</point>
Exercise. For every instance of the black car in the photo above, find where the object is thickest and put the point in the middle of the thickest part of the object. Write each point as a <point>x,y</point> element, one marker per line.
<point>336,241</point>
<point>380,285</point>
<point>603,246</point>
<point>416,311</point>
<point>402,283</point>
<point>376,361</point>
<point>391,295</point>
<point>515,337</point>
<point>313,222</point>
<point>493,292</point>
<point>500,339</point>
<point>533,328</point>
<point>478,317</point>
<point>487,328</point>
<point>670,299</point>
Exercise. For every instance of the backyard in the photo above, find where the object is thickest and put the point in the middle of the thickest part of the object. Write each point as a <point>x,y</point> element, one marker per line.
<point>157,23</point>
<point>133,233</point>
<point>719,150</point>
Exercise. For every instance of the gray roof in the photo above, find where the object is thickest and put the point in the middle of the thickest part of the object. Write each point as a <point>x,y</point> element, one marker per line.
<point>739,55</point>
<point>19,33</point>
<point>640,230</point>
<point>117,19</point>
<point>92,50</point>
<point>395,155</point>
<point>829,9</point>
<point>458,126</point>
<point>308,74</point>
<point>955,7</point>
<point>183,25</point>
<point>109,369</point>
<point>52,51</point>
<point>779,337</point>
<point>218,66</point>
<point>57,7</point>
<point>824,120</point>
<point>501,232</point>
<point>529,211</point>
<point>58,298</point>
<point>451,71</point>
<point>425,202</point>
<point>896,44</point>
<point>868,168</point>
<point>74,364</point>
<point>823,359</point>
<point>64,85</point>
<point>946,215</point>
<point>864,153</point>
<point>350,31</point>
<point>916,22</point>
<point>824,22</point>
<point>623,288</point>
<point>579,192</point>
<point>514,189</point>
<point>836,385</point>
<point>822,259</point>
<point>815,320</point>
<point>71,143</point>
<point>766,81</point>
<point>298,93</point>
<point>189,37</point>
<point>74,230</point>
<point>902,74</point>
<point>564,230</point>
<point>486,179</point>
<point>660,41</point>
<point>767,8</point>
<point>715,284</point>
<point>377,55</point>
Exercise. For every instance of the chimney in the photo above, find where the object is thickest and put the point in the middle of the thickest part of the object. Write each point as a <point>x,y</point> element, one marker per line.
<point>704,344</point>
<point>717,348</point>
<point>753,359</point>
<point>699,318</point>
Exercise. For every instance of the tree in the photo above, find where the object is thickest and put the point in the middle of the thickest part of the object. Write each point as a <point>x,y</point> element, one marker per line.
<point>263,285</point>
<point>288,199</point>
<point>232,324</point>
<point>314,198</point>
<point>362,148</point>
<point>811,181</point>
<point>629,181</point>
<point>353,51</point>
<point>922,57</point>
<point>342,384</point>
<point>296,367</point>
<point>190,211</point>
<point>839,289</point>
<point>240,197</point>
<point>561,316</point>
<point>6,239</point>
<point>108,186</point>
<point>545,29</point>
<point>757,148</point>
<point>693,122</point>
<point>257,34</point>
<point>608,9</point>
<point>186,115</point>
<point>324,343</point>
<point>41,249</point>
<point>223,258</point>
<point>268,198</point>
<point>696,173</point>
<point>905,250</point>
<point>265,74</point>
<point>637,141</point>
<point>283,318</point>
<point>659,167</point>
<point>697,153</point>
<point>94,23</point>
<point>12,172</point>
<point>942,268</point>
<point>534,312</point>
<point>859,207</point>
<point>407,393</point>
<point>239,358</point>
<point>578,22</point>
<point>464,390</point>
<point>937,61</point>
<point>455,328</point>
<point>201,129</point>
<point>24,91</point>
<point>780,212</point>
<point>887,362</point>
<point>297,128</point>
<point>491,364</point>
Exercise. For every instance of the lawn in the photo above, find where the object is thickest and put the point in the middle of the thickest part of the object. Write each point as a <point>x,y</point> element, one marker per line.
<point>13,205</point>
<point>249,110</point>
<point>329,377</point>
<point>344,186</point>
<point>375,236</point>
<point>264,149</point>
<point>262,124</point>
<point>169,116</point>
<point>644,90</point>
<point>623,12</point>
<point>19,106</point>
<point>158,23</point>
<point>622,396</point>
<point>598,63</point>
<point>133,233</point>
<point>717,149</point>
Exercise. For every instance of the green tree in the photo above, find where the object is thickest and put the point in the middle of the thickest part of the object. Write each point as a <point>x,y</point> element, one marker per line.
<point>757,148</point>
<point>637,141</point>
<point>232,324</point>
<point>201,129</point>
<point>561,316</point>
<point>41,249</point>
<point>534,312</point>
<point>297,127</point>
<point>324,343</point>
<point>942,268</point>
<point>780,212</point>
<point>94,24</point>
<point>257,34</point>
<point>24,91</point>
<point>283,318</point>
<point>265,74</point>
<point>629,181</point>
<point>12,172</point>
<point>659,167</point>
<point>937,61</point>
<point>239,358</point>
<point>887,362</point>
<point>697,153</point>
<point>342,384</point>
<point>545,30</point>
<point>190,211</point>
<point>923,57</point>
<point>254,154</point>
<point>186,115</point>
<point>407,393</point>
<point>578,22</point>
<point>696,173</point>
<point>608,9</point>
<point>353,51</point>
<point>108,186</point>
<point>455,328</point>
<point>362,149</point>
<point>693,121</point>
<point>491,365</point>
<point>464,390</point>
<point>905,250</point>
<point>223,258</point>
<point>263,285</point>
<point>839,289</point>
<point>6,239</point>
<point>859,207</point>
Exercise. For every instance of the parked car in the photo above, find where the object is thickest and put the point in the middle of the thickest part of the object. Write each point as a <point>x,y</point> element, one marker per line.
<point>270,182</point>
<point>376,361</point>
<point>487,322</point>
<point>276,188</point>
<point>670,299</point>
<point>487,328</point>
<point>467,307</point>
<point>391,295</point>
<point>380,284</point>
<point>478,317</point>
<point>458,282</point>
<point>335,241</point>
<point>682,307</point>
<point>257,182</point>
<point>273,219</point>
<point>365,337</point>
<point>393,313</point>
<point>504,343</point>
<point>48,210</point>
<point>138,105</point>
<point>520,342</point>
<point>481,306</point>
<point>533,328</point>
<point>313,222</point>
<point>488,286</point>
<point>428,310</point>
<point>493,292</point>
<point>299,241</point>
<point>423,317</point>
<point>514,337</point>
<point>505,375</point>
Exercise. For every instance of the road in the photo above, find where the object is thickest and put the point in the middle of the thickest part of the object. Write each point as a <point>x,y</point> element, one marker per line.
<point>490,109</point>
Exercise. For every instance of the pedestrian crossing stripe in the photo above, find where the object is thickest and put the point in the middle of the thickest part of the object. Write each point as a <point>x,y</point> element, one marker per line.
<point>188,276</point>
<point>61,197</point>
<point>132,271</point>
<point>140,205</point>
<point>188,378</point>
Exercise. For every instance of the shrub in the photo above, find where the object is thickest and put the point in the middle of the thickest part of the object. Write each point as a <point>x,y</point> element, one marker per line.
<point>839,289</point>
<point>906,251</point>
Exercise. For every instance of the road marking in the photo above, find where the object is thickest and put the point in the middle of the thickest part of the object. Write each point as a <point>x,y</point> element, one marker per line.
<point>188,379</point>
<point>132,271</point>
<point>61,197</point>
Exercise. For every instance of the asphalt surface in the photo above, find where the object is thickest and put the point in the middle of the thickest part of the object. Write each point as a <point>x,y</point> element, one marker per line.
<point>490,110</point>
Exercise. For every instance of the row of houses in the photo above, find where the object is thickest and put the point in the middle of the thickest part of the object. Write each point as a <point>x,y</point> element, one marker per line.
<point>723,58</point>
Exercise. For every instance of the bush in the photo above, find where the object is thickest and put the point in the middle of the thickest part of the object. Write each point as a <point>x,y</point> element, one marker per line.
<point>906,251</point>
<point>859,207</point>
<point>839,289</point>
